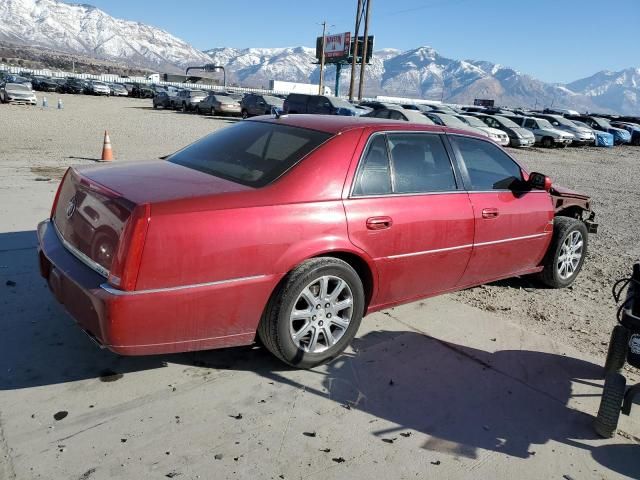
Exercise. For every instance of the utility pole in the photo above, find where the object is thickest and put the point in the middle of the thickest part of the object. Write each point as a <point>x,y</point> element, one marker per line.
<point>321,83</point>
<point>364,48</point>
<point>354,60</point>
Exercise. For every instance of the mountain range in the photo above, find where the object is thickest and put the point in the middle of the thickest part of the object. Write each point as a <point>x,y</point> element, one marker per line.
<point>416,73</point>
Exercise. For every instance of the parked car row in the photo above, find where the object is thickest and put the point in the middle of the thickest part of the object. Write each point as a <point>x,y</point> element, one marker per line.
<point>75,85</point>
<point>217,102</point>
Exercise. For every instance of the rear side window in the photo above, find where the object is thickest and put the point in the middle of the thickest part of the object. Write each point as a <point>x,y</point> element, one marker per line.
<point>250,153</point>
<point>420,164</point>
<point>488,166</point>
<point>374,177</point>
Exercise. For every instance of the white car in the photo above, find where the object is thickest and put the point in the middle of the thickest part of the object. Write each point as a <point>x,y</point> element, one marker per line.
<point>449,120</point>
<point>546,135</point>
<point>17,93</point>
<point>498,136</point>
<point>99,88</point>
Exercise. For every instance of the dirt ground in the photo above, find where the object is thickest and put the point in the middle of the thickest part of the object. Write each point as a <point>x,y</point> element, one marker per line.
<point>37,144</point>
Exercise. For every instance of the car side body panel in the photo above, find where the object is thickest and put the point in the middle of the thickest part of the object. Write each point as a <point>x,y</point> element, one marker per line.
<point>215,251</point>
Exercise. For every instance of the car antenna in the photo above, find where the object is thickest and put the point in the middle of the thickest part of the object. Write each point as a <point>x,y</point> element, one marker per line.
<point>277,113</point>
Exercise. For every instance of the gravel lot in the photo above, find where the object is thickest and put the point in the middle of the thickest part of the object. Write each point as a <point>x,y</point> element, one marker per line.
<point>38,144</point>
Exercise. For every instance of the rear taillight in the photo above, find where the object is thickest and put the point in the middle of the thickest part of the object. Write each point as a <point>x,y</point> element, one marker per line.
<point>126,264</point>
<point>55,199</point>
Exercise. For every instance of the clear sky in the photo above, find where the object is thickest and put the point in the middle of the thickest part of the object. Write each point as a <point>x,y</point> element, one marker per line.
<point>553,40</point>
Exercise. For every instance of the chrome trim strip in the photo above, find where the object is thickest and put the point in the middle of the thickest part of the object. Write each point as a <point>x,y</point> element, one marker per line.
<point>526,237</point>
<point>115,291</point>
<point>79,255</point>
<point>427,252</point>
<point>460,247</point>
<point>183,341</point>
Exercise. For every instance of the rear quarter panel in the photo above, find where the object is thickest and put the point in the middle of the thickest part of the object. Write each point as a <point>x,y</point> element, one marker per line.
<point>262,231</point>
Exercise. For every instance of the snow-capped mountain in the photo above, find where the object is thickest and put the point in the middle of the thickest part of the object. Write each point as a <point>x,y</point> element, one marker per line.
<point>418,73</point>
<point>86,30</point>
<point>619,91</point>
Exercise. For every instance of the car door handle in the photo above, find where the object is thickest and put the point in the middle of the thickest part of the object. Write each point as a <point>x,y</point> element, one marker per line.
<point>379,223</point>
<point>490,212</point>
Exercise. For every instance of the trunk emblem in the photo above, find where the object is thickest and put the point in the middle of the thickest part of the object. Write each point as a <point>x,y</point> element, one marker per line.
<point>71,207</point>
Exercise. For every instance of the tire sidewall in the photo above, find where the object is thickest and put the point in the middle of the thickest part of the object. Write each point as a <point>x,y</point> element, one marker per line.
<point>291,353</point>
<point>577,225</point>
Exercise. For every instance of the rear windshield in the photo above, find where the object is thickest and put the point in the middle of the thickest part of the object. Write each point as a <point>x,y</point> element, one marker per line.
<point>250,153</point>
<point>339,103</point>
<point>506,122</point>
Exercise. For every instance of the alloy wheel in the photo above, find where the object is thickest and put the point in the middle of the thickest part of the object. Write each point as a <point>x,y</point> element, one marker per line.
<point>570,255</point>
<point>321,314</point>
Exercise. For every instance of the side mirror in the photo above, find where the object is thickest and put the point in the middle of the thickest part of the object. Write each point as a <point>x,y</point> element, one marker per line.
<point>539,181</point>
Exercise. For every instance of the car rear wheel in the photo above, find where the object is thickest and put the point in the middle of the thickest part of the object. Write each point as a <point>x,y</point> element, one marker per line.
<point>566,253</point>
<point>314,313</point>
<point>244,114</point>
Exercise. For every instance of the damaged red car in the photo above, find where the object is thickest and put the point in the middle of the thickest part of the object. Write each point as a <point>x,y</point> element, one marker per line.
<point>294,228</point>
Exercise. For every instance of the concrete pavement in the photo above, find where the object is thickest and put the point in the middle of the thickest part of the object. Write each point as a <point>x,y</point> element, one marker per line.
<point>434,389</point>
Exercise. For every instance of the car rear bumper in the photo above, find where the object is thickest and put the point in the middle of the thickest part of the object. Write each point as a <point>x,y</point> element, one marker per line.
<point>205,316</point>
<point>230,110</point>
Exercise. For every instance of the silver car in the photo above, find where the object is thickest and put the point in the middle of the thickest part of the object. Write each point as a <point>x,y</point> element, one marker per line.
<point>99,88</point>
<point>187,100</point>
<point>215,104</point>
<point>583,136</point>
<point>17,93</point>
<point>545,134</point>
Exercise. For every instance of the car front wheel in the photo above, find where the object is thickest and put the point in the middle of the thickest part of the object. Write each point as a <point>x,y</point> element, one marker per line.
<point>566,253</point>
<point>314,313</point>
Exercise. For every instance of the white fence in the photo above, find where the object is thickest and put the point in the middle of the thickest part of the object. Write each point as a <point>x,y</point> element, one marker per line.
<point>111,78</point>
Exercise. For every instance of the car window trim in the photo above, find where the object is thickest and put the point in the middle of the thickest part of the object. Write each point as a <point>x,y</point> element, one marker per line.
<point>459,183</point>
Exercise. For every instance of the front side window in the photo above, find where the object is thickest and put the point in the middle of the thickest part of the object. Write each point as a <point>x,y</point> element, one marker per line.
<point>530,123</point>
<point>250,153</point>
<point>489,168</point>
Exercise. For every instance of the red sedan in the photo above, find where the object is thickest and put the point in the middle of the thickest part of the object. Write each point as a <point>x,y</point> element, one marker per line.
<point>295,228</point>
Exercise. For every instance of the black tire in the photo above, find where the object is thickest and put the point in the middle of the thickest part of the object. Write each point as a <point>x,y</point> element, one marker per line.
<point>618,349</point>
<point>155,106</point>
<point>183,108</point>
<point>606,422</point>
<point>547,142</point>
<point>562,228</point>
<point>244,114</point>
<point>274,328</point>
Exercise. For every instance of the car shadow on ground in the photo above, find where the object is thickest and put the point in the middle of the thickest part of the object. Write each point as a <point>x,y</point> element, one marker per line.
<point>464,400</point>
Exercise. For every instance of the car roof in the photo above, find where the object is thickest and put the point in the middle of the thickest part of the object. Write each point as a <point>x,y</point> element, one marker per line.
<point>335,124</point>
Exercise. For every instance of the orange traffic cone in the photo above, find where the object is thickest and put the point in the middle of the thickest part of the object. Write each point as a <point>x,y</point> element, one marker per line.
<point>107,153</point>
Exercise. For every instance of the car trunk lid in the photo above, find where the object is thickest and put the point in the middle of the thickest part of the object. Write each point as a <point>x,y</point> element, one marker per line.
<point>95,204</point>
